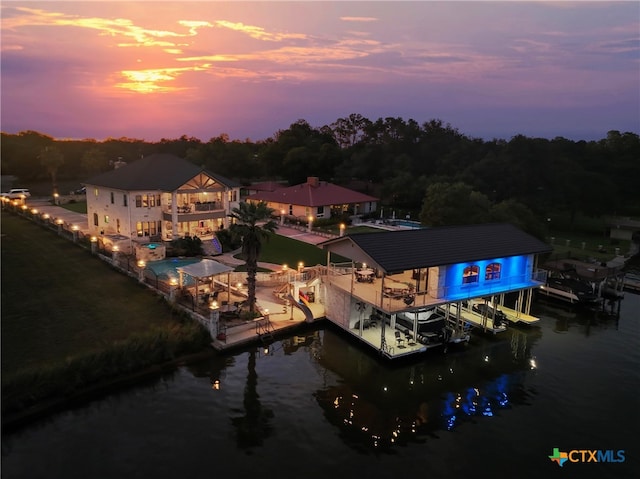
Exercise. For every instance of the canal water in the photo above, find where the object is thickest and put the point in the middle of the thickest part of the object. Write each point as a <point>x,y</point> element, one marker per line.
<point>317,405</point>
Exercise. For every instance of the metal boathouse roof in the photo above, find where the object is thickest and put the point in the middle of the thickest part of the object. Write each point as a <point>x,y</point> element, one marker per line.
<point>397,251</point>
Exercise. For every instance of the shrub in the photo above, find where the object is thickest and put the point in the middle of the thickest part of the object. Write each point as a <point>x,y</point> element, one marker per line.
<point>187,246</point>
<point>228,241</point>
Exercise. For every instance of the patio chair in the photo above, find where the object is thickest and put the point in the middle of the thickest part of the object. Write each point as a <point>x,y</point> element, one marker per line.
<point>399,339</point>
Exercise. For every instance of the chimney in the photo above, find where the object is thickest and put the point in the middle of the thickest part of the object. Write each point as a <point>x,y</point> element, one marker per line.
<point>313,181</point>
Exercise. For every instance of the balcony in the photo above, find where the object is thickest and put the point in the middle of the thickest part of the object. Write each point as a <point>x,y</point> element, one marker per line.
<point>396,297</point>
<point>196,211</point>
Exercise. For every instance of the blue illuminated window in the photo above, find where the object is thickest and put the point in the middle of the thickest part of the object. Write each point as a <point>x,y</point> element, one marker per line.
<point>470,274</point>
<point>492,271</point>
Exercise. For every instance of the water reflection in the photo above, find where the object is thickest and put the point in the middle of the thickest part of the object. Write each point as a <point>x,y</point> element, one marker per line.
<point>254,425</point>
<point>318,399</point>
<point>377,406</point>
<point>586,320</point>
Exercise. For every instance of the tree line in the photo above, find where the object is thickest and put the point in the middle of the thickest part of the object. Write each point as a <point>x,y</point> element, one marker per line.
<point>401,161</point>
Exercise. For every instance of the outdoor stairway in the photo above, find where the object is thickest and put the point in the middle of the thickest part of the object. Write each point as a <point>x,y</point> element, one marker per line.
<point>265,330</point>
<point>212,247</point>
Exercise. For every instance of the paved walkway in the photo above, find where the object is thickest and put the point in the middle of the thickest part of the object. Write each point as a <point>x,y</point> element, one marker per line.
<point>302,235</point>
<point>58,212</point>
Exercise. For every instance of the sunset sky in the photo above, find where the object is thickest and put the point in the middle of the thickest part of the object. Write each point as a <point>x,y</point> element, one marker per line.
<point>152,70</point>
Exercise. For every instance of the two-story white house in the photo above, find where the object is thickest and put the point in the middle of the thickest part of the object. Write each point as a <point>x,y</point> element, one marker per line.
<point>160,197</point>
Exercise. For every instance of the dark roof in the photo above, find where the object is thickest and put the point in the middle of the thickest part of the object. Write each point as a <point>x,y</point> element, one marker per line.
<point>397,251</point>
<point>163,172</point>
<point>308,194</point>
<point>265,186</point>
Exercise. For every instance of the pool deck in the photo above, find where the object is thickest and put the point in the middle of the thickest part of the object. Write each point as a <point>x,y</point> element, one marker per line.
<point>279,322</point>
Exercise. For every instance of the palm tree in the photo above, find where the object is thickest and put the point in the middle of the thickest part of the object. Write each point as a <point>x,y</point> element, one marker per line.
<point>52,159</point>
<point>248,217</point>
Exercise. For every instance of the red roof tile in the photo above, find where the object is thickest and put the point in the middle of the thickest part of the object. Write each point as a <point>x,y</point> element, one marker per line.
<point>313,195</point>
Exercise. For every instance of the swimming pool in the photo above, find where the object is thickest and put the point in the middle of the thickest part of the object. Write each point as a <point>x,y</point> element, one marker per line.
<point>407,224</point>
<point>168,268</point>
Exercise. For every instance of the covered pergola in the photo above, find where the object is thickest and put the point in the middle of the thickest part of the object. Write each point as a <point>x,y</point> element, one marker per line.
<point>204,272</point>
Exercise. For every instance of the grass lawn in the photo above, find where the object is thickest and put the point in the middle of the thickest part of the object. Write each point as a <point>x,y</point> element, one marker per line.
<point>586,245</point>
<point>59,301</point>
<point>282,250</point>
<point>78,207</point>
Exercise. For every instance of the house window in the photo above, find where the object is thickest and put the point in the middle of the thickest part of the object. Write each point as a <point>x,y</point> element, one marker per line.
<point>492,271</point>
<point>145,201</point>
<point>113,199</point>
<point>118,225</point>
<point>148,228</point>
<point>291,210</point>
<point>138,201</point>
<point>106,219</point>
<point>95,219</point>
<point>125,202</point>
<point>320,211</point>
<point>470,274</point>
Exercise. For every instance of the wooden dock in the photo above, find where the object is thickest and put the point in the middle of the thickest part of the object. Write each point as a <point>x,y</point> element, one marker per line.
<point>518,317</point>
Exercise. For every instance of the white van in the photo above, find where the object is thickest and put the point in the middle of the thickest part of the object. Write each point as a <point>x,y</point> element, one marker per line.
<point>17,193</point>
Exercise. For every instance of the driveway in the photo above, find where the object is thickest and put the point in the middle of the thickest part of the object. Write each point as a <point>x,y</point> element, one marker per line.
<point>43,205</point>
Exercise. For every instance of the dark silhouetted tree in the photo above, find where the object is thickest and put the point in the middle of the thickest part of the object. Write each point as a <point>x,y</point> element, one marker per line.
<point>253,225</point>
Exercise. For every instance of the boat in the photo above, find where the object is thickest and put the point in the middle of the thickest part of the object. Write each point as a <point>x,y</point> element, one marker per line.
<point>612,288</point>
<point>566,286</point>
<point>488,311</point>
<point>632,281</point>
<point>431,328</point>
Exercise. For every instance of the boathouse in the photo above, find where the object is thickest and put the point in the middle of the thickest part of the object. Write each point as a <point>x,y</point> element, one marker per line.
<point>407,291</point>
